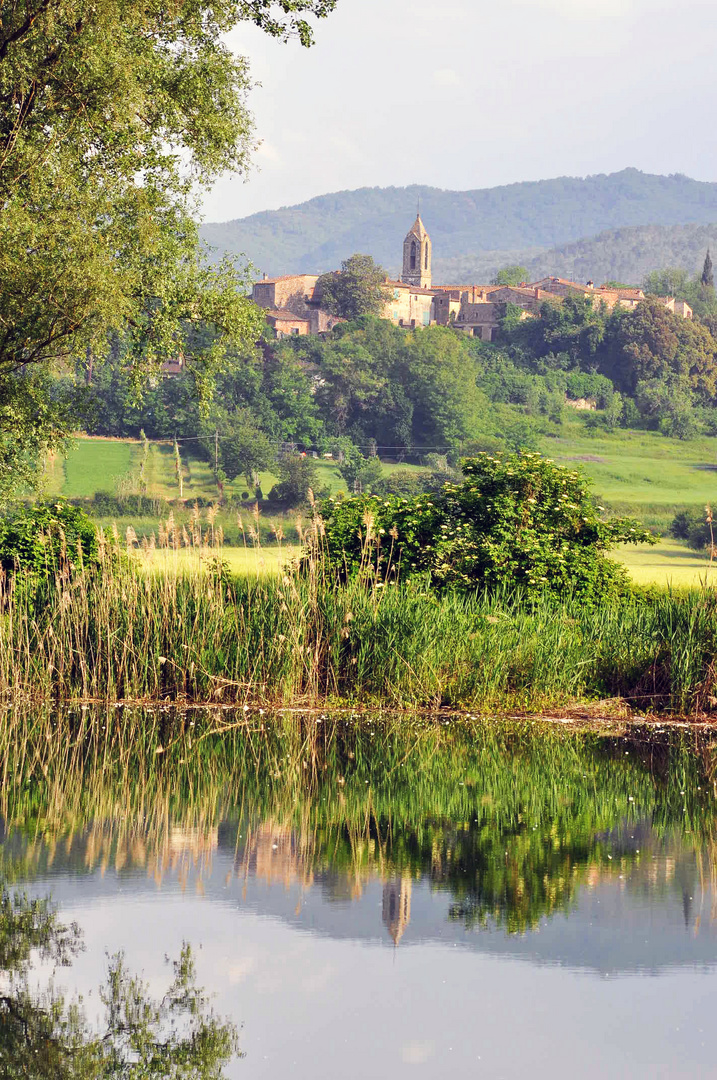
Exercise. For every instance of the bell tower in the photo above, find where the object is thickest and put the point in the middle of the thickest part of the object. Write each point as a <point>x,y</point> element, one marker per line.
<point>417,256</point>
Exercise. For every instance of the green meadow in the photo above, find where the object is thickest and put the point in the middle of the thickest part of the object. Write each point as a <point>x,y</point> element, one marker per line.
<point>98,464</point>
<point>641,473</point>
<point>638,473</point>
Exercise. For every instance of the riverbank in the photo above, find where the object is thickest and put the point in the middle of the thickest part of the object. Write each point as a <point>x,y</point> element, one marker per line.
<point>278,640</point>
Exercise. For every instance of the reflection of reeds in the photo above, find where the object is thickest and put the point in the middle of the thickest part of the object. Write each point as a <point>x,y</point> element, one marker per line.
<point>508,820</point>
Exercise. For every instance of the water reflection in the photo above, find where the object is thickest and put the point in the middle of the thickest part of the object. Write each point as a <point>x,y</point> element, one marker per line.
<point>573,852</point>
<point>45,1037</point>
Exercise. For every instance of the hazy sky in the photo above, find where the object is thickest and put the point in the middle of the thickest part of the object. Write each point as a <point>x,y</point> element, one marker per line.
<point>473,93</point>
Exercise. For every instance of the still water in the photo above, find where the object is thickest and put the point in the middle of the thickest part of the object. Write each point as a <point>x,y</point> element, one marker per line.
<point>370,900</point>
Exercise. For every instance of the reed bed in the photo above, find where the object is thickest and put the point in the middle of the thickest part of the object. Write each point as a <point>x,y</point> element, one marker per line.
<point>115,633</point>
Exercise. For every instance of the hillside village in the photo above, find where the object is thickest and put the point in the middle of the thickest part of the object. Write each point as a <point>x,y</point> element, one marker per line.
<point>293,303</point>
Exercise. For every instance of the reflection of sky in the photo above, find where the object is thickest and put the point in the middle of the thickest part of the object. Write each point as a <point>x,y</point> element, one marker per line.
<point>322,993</point>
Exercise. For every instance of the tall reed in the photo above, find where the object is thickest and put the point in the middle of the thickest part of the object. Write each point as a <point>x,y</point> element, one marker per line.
<point>114,632</point>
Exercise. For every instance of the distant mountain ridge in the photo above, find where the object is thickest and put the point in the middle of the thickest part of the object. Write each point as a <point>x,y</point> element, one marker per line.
<point>536,223</point>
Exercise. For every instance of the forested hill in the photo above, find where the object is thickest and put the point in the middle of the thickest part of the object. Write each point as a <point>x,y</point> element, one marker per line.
<point>480,229</point>
<point>626,255</point>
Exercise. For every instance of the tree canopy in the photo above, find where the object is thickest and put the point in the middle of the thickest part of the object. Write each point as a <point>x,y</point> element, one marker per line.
<point>357,289</point>
<point>511,275</point>
<point>111,116</point>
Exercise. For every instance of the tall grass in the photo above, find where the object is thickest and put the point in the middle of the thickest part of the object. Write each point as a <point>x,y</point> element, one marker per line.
<point>113,633</point>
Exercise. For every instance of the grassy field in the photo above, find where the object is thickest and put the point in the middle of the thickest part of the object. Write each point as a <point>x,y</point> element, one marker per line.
<point>668,563</point>
<point>239,560</point>
<point>641,473</point>
<point>94,464</point>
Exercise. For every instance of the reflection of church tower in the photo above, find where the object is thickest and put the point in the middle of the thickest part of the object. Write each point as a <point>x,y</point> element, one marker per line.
<point>397,906</point>
<point>417,256</point>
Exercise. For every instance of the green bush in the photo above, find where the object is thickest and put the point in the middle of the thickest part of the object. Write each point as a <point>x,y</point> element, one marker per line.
<point>516,521</point>
<point>692,526</point>
<point>45,535</point>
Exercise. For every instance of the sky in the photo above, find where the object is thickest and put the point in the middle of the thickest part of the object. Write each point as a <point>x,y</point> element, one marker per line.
<point>474,93</point>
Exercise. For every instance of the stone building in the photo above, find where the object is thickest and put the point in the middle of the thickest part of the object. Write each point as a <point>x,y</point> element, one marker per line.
<point>409,305</point>
<point>290,305</point>
<point>413,301</point>
<point>417,256</point>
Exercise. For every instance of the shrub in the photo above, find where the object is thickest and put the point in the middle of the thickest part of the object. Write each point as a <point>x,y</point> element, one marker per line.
<point>297,475</point>
<point>516,521</point>
<point>693,526</point>
<point>38,537</point>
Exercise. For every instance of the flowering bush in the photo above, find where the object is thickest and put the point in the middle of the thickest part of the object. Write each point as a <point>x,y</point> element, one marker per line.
<point>516,520</point>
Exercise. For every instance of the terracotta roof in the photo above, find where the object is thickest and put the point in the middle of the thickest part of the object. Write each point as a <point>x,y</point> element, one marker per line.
<point>627,294</point>
<point>405,285</point>
<point>465,288</point>
<point>561,281</point>
<point>285,277</point>
<point>479,313</point>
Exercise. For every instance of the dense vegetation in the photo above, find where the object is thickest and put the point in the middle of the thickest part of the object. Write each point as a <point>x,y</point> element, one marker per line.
<point>112,119</point>
<point>508,223</point>
<point>428,397</point>
<point>518,522</point>
<point>120,633</point>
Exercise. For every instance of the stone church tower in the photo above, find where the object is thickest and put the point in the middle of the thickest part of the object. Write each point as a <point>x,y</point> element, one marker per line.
<point>417,256</point>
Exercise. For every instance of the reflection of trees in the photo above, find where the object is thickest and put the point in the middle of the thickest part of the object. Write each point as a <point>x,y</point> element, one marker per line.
<point>43,1037</point>
<point>510,820</point>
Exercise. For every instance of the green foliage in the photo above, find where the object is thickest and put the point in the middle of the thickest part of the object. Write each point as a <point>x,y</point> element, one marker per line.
<point>43,537</point>
<point>112,117</point>
<point>297,477</point>
<point>244,449</point>
<point>707,278</point>
<point>511,275</point>
<point>694,527</point>
<point>516,521</point>
<point>358,471</point>
<point>400,389</point>
<point>357,289</point>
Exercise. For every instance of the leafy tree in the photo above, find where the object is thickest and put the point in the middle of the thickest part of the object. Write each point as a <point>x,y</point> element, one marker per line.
<point>439,373</point>
<point>359,470</point>
<point>111,116</point>
<point>511,275</point>
<point>243,448</point>
<point>357,289</point>
<point>567,335</point>
<point>516,520</point>
<point>43,537</point>
<point>667,405</point>
<point>297,476</point>
<point>707,277</point>
<point>672,281</point>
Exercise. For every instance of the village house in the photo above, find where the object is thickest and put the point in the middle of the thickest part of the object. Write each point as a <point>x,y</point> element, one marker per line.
<point>293,307</point>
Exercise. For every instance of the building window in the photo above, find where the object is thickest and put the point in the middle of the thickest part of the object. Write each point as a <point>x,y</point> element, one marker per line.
<point>295,329</point>
<point>426,318</point>
<point>395,314</point>
<point>426,264</point>
<point>396,294</point>
<point>413,254</point>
